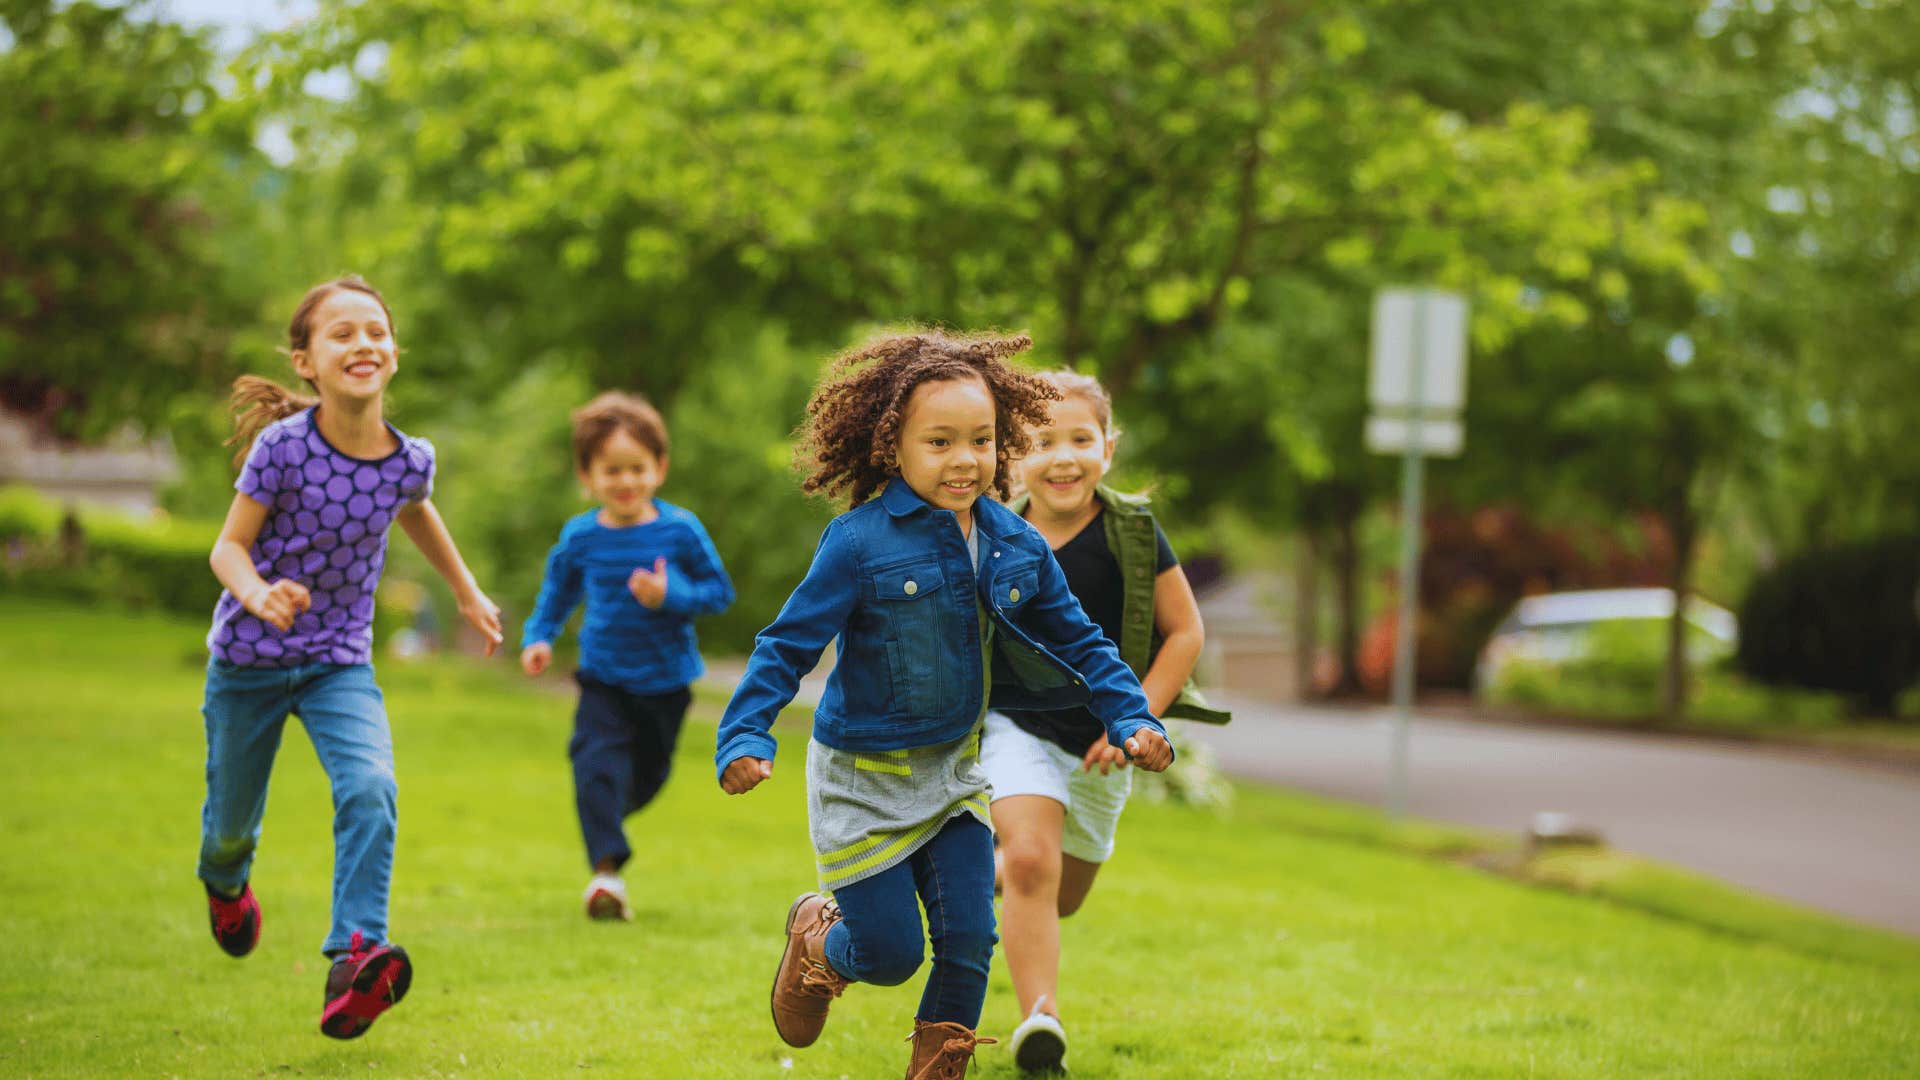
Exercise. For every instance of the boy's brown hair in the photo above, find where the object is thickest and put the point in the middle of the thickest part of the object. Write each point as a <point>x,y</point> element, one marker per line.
<point>596,421</point>
<point>849,441</point>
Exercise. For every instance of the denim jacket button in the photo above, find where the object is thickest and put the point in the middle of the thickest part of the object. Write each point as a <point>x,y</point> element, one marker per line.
<point>912,587</point>
<point>1013,596</point>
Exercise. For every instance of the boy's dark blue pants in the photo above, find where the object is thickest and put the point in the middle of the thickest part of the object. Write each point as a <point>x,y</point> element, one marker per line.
<point>622,751</point>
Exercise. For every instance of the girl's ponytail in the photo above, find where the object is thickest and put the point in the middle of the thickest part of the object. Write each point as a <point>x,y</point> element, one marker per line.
<point>257,402</point>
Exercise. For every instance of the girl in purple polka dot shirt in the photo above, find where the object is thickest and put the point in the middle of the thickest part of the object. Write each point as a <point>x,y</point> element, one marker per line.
<point>321,479</point>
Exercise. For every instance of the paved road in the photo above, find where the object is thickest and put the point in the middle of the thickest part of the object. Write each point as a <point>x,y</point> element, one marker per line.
<point>1844,838</point>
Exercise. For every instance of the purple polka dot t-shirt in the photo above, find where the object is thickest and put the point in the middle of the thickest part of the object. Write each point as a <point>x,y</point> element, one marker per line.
<point>326,528</point>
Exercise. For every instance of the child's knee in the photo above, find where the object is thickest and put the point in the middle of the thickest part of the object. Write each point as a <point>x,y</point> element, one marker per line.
<point>970,944</point>
<point>1028,865</point>
<point>647,783</point>
<point>366,793</point>
<point>890,959</point>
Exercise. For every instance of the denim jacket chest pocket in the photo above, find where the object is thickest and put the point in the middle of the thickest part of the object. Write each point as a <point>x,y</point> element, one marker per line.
<point>913,605</point>
<point>1015,586</point>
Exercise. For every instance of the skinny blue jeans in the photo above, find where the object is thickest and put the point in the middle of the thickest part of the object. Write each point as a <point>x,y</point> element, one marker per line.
<point>346,720</point>
<point>878,938</point>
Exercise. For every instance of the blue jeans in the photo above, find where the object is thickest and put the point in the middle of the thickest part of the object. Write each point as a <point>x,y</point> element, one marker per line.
<point>622,750</point>
<point>878,938</point>
<point>346,720</point>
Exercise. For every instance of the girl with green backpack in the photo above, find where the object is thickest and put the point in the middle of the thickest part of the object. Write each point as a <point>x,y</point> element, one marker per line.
<point>1058,783</point>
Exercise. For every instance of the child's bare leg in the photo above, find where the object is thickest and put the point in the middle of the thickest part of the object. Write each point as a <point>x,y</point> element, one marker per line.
<point>1076,881</point>
<point>1030,827</point>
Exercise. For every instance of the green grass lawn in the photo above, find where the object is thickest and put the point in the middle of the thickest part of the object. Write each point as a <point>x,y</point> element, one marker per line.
<point>1288,937</point>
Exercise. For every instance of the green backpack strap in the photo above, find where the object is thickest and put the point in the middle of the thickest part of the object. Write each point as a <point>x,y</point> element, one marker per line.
<point>1130,535</point>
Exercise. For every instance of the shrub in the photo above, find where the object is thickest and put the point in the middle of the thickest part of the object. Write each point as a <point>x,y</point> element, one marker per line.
<point>1620,678</point>
<point>1476,565</point>
<point>110,559</point>
<point>26,517</point>
<point>1844,619</point>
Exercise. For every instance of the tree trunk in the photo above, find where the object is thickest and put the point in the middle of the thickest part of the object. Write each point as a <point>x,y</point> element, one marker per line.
<point>1346,568</point>
<point>1673,692</point>
<point>1306,614</point>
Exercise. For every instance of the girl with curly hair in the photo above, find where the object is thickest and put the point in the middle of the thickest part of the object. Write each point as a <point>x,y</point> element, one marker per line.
<point>942,603</point>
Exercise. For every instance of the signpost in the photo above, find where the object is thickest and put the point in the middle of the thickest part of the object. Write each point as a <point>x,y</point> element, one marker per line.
<point>1417,385</point>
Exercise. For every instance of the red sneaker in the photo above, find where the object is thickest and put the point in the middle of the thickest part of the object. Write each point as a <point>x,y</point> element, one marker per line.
<point>236,921</point>
<point>363,983</point>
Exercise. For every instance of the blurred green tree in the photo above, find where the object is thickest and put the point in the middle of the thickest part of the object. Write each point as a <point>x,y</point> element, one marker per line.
<point>115,289</point>
<point>1147,188</point>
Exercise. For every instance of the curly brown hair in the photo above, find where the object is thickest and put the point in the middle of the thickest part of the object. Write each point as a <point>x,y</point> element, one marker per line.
<point>853,420</point>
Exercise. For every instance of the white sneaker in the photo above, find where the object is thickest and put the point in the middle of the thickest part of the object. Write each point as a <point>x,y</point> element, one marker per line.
<point>606,898</point>
<point>1039,1044</point>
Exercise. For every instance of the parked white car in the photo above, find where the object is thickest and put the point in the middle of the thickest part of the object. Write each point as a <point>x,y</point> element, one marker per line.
<point>1557,627</point>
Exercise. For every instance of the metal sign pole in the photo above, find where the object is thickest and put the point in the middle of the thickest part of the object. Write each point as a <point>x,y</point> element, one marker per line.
<point>1412,474</point>
<point>1417,385</point>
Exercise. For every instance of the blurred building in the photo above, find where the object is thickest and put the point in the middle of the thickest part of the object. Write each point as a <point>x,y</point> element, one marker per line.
<point>1249,646</point>
<point>125,472</point>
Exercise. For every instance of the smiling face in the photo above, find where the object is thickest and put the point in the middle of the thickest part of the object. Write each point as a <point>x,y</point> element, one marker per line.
<point>1071,454</point>
<point>350,354</point>
<point>947,444</point>
<point>623,475</point>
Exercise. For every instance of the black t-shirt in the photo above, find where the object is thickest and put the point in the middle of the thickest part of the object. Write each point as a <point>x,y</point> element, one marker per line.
<point>1093,573</point>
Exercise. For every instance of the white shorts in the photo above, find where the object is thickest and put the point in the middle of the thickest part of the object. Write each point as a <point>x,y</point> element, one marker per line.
<point>1020,763</point>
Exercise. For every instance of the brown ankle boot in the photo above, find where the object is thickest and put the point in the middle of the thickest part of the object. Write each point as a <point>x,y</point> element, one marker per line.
<point>806,984</point>
<point>941,1051</point>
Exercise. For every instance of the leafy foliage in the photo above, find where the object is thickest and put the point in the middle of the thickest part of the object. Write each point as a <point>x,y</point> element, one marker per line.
<point>1678,225</point>
<point>1844,619</point>
<point>117,211</point>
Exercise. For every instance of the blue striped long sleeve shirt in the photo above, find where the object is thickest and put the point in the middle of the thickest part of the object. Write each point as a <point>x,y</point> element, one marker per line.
<point>622,642</point>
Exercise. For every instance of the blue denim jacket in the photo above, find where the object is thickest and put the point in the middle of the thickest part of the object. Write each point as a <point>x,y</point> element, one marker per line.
<point>893,580</point>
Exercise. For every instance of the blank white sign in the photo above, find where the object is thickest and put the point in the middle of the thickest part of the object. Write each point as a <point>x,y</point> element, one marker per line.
<point>1433,321</point>
<point>1437,437</point>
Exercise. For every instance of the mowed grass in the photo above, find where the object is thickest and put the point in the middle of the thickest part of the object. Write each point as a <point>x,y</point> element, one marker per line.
<point>1288,937</point>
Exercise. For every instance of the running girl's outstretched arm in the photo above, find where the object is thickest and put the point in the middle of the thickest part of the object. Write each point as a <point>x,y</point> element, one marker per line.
<point>279,603</point>
<point>429,534</point>
<point>787,649</point>
<point>1176,615</point>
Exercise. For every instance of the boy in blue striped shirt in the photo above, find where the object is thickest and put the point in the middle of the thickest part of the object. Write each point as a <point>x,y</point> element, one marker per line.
<point>646,570</point>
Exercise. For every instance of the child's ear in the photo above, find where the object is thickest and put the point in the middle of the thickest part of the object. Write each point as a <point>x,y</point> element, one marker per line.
<point>1113,440</point>
<point>664,462</point>
<point>585,478</point>
<point>302,364</point>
